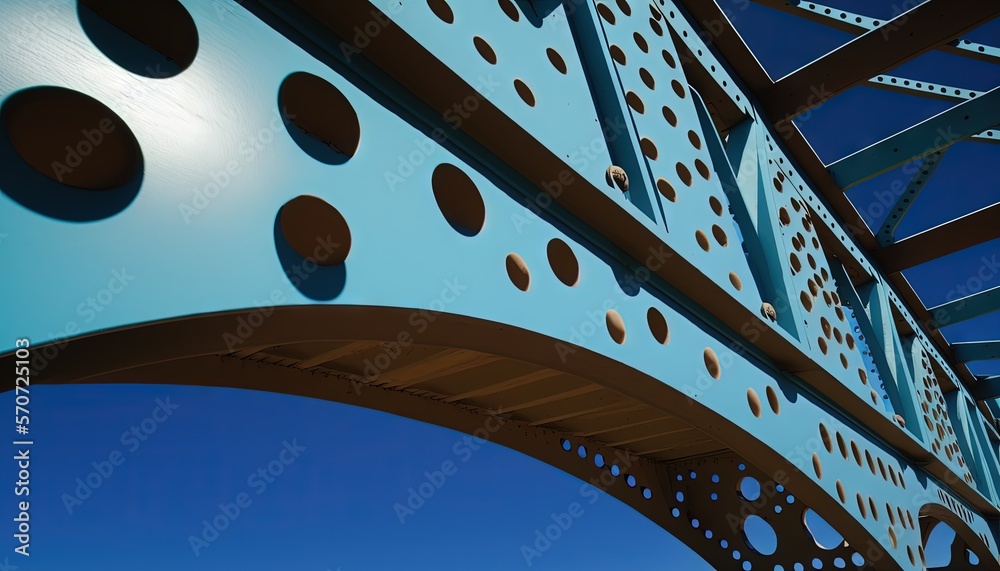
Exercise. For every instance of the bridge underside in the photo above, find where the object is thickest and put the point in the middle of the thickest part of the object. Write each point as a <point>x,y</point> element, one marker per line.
<point>669,458</point>
<point>586,230</point>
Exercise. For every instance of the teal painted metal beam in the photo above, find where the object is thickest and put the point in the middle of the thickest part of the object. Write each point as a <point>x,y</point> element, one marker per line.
<point>908,35</point>
<point>887,235</point>
<point>938,132</point>
<point>966,308</point>
<point>923,88</point>
<point>937,91</point>
<point>976,351</point>
<point>987,388</point>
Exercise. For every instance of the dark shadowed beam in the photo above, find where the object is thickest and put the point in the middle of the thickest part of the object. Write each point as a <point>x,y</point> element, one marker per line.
<point>719,33</point>
<point>986,388</point>
<point>976,351</point>
<point>970,230</point>
<point>926,27</point>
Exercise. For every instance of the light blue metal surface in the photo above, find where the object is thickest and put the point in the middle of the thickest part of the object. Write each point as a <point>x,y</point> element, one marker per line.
<point>202,235</point>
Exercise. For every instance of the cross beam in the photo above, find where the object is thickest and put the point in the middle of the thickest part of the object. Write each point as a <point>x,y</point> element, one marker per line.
<point>986,388</point>
<point>969,230</point>
<point>966,308</point>
<point>939,132</point>
<point>977,351</point>
<point>926,27</point>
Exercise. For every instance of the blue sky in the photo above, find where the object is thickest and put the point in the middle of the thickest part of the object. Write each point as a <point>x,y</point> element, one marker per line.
<point>343,469</point>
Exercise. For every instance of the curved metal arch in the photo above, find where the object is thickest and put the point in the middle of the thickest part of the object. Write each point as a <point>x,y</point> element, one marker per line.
<point>191,350</point>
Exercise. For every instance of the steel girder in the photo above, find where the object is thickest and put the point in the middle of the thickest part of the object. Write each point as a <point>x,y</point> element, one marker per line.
<point>470,210</point>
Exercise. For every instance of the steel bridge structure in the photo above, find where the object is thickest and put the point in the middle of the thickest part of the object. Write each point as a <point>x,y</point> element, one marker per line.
<point>595,219</point>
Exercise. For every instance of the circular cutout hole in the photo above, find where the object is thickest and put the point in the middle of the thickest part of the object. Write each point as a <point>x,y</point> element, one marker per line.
<point>442,10</point>
<point>525,92</point>
<point>649,148</point>
<point>684,174</point>
<point>321,119</point>
<point>666,189</point>
<point>716,205</point>
<point>458,199</point>
<point>616,326</point>
<point>647,78</point>
<point>712,363</point>
<point>772,400</point>
<point>824,435</point>
<point>817,466</point>
<point>618,55</point>
<point>783,217</point>
<point>635,102</point>
<point>720,235</point>
<point>813,289</point>
<point>748,488</point>
<point>795,264</point>
<point>754,401</point>
<point>841,493</point>
<point>485,50</point>
<point>702,169</point>
<point>658,326</point>
<point>734,279</point>
<point>821,532</point>
<point>72,139</point>
<point>640,42</point>
<point>563,262</point>
<point>624,7</point>
<point>606,13</point>
<point>315,230</point>
<point>678,88</point>
<point>518,272</point>
<point>702,240</point>
<point>807,301</point>
<point>152,38</point>
<point>556,60</point>
<point>695,139</point>
<point>655,26</point>
<point>510,9</point>
<point>760,536</point>
<point>669,115</point>
<point>667,57</point>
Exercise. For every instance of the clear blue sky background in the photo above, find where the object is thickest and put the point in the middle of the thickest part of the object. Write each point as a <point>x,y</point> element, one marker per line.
<point>332,508</point>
